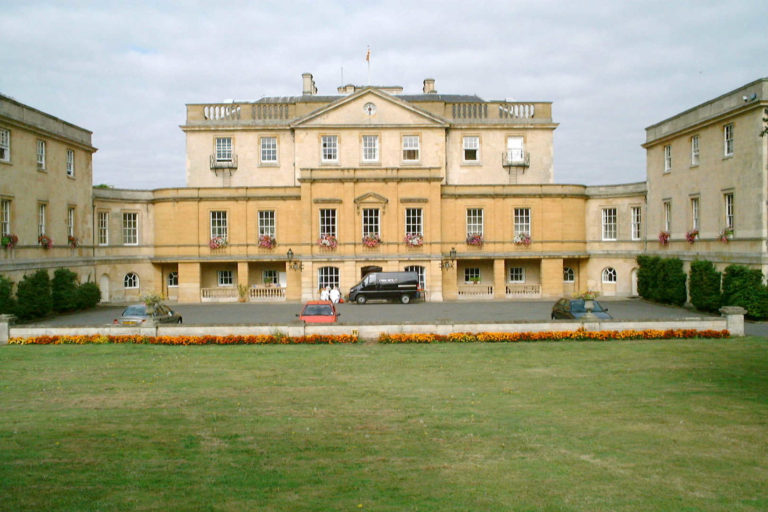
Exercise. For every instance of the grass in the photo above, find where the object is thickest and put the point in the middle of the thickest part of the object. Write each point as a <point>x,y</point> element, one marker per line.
<point>619,426</point>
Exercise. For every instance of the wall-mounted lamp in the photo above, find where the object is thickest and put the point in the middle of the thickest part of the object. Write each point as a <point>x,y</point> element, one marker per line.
<point>448,263</point>
<point>293,265</point>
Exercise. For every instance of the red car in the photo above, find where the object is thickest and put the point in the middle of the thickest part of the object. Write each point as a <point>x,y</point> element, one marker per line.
<point>319,312</point>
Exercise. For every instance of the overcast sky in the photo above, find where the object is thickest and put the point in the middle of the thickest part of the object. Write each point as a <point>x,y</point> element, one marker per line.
<point>125,70</point>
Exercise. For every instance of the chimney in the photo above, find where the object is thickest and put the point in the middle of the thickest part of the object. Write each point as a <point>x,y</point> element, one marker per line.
<point>429,86</point>
<point>308,87</point>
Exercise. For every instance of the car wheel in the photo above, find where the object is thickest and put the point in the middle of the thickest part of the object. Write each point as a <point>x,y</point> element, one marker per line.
<point>360,299</point>
<point>179,321</point>
<point>553,316</point>
<point>405,299</point>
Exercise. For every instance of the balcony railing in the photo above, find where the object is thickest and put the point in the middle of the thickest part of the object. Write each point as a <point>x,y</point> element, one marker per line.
<point>520,290</point>
<point>498,110</point>
<point>516,159</point>
<point>224,294</point>
<point>266,294</point>
<point>218,163</point>
<point>256,293</point>
<point>475,291</point>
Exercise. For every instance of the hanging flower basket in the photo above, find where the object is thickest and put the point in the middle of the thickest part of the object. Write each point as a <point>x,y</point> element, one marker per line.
<point>327,241</point>
<point>371,240</point>
<point>414,239</point>
<point>522,239</point>
<point>726,235</point>
<point>267,241</point>
<point>72,241</point>
<point>692,235</point>
<point>9,241</point>
<point>217,242</point>
<point>45,241</point>
<point>664,237</point>
<point>475,239</point>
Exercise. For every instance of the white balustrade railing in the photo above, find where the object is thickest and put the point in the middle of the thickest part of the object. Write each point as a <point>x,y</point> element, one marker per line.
<point>224,294</point>
<point>523,290</point>
<point>475,291</point>
<point>228,111</point>
<point>266,294</point>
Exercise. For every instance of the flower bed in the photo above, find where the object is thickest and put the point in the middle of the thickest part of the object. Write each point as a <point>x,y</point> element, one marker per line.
<point>262,339</point>
<point>577,335</point>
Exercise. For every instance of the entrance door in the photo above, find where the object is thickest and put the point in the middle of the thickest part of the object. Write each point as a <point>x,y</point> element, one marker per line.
<point>104,287</point>
<point>634,282</point>
<point>367,270</point>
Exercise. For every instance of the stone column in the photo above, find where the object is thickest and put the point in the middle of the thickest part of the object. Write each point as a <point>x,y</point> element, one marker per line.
<point>499,279</point>
<point>551,277</point>
<point>189,282</point>
<point>734,319</point>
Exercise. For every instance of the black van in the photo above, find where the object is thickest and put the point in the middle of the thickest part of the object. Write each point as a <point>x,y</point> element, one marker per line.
<point>402,286</point>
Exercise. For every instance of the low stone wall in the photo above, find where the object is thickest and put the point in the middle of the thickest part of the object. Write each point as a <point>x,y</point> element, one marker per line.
<point>734,322</point>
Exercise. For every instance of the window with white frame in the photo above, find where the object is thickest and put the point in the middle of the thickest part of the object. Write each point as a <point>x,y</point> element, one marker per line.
<point>103,228</point>
<point>667,158</point>
<point>472,275</point>
<point>131,280</point>
<point>411,148</point>
<point>41,154</point>
<point>219,228</point>
<point>609,275</point>
<point>370,148</point>
<point>609,224</point>
<point>42,217</point>
<point>728,139</point>
<point>130,228</point>
<point>522,220</point>
<point>636,228</point>
<point>269,150</point>
<point>70,163</point>
<point>515,151</point>
<point>328,221</point>
<point>5,145</point>
<point>371,222</point>
<point>267,223</point>
<point>667,208</point>
<point>330,148</point>
<point>695,150</point>
<point>5,217</point>
<point>328,277</point>
<point>223,149</point>
<point>728,203</point>
<point>516,275</point>
<point>70,222</point>
<point>474,221</point>
<point>471,149</point>
<point>421,271</point>
<point>173,279</point>
<point>270,277</point>
<point>694,213</point>
<point>414,224</point>
<point>568,275</point>
<point>224,278</point>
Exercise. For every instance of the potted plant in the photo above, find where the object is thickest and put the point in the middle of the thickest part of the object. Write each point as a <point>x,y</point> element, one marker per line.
<point>217,242</point>
<point>474,279</point>
<point>267,241</point>
<point>692,235</point>
<point>589,296</point>
<point>414,239</point>
<point>475,239</point>
<point>664,237</point>
<point>726,235</point>
<point>522,239</point>
<point>45,241</point>
<point>242,292</point>
<point>327,241</point>
<point>9,241</point>
<point>371,240</point>
<point>72,241</point>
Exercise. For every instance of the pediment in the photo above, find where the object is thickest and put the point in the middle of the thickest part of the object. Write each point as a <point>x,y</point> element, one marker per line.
<point>371,200</point>
<point>351,111</point>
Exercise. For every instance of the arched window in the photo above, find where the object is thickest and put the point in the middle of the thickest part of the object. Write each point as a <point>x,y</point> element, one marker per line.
<point>173,279</point>
<point>609,275</point>
<point>422,275</point>
<point>131,280</point>
<point>567,275</point>
<point>328,276</point>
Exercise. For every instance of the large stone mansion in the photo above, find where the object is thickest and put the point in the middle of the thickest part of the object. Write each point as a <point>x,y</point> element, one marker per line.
<point>285,195</point>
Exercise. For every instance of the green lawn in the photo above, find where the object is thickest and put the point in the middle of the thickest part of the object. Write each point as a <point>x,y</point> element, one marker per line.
<point>673,425</point>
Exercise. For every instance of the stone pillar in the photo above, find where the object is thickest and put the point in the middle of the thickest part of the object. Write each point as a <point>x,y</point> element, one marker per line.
<point>551,277</point>
<point>434,282</point>
<point>450,290</point>
<point>189,282</point>
<point>499,279</point>
<point>243,276</point>
<point>734,319</point>
<point>5,330</point>
<point>293,282</point>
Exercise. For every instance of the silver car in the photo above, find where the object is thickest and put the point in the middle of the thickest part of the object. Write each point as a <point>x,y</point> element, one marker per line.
<point>141,314</point>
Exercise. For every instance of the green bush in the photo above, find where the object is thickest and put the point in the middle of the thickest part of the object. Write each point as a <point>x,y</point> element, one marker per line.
<point>647,276</point>
<point>64,290</point>
<point>7,302</point>
<point>661,279</point>
<point>743,286</point>
<point>704,286</point>
<point>33,296</point>
<point>88,295</point>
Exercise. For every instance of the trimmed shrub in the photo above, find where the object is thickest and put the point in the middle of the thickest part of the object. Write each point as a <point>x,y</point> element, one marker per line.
<point>671,282</point>
<point>7,302</point>
<point>33,296</point>
<point>743,286</point>
<point>647,276</point>
<point>88,295</point>
<point>64,290</point>
<point>704,286</point>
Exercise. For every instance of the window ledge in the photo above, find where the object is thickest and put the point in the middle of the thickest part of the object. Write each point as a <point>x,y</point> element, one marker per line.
<point>471,163</point>
<point>269,164</point>
<point>727,157</point>
<point>694,166</point>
